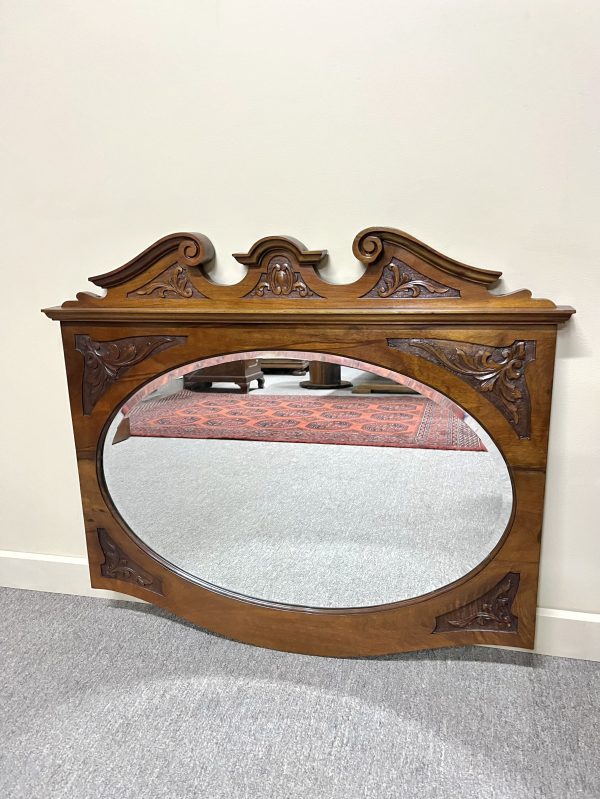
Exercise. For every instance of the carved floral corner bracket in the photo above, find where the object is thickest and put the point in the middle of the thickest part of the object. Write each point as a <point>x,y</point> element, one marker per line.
<point>498,372</point>
<point>172,283</point>
<point>118,566</point>
<point>492,611</point>
<point>280,280</point>
<point>400,281</point>
<point>105,361</point>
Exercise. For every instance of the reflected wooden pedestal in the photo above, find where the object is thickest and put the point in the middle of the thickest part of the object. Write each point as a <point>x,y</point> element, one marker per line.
<point>325,375</point>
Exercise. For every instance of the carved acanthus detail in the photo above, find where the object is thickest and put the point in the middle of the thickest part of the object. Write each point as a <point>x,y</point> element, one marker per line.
<point>400,280</point>
<point>173,282</point>
<point>120,567</point>
<point>282,281</point>
<point>499,372</point>
<point>492,611</point>
<point>106,361</point>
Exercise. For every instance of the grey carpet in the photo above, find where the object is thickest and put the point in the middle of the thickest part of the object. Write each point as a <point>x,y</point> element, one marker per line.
<point>102,699</point>
<point>318,525</point>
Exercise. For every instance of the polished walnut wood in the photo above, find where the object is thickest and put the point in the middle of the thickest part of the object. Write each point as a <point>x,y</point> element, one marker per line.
<point>414,312</point>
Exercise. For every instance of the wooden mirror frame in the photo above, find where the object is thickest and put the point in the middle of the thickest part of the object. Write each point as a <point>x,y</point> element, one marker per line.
<point>414,312</point>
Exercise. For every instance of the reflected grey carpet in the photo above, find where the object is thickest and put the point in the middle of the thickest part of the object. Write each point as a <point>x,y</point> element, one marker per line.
<point>312,524</point>
<point>103,699</point>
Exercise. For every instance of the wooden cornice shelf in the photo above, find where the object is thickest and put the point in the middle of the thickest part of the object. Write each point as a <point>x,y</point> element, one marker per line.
<point>304,316</point>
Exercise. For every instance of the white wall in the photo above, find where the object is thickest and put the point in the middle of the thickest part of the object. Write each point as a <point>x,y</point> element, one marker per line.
<point>472,125</point>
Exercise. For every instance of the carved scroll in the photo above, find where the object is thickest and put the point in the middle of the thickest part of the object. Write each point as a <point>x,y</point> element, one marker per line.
<point>106,361</point>
<point>491,611</point>
<point>173,282</point>
<point>280,280</point>
<point>191,249</point>
<point>119,566</point>
<point>373,244</point>
<point>399,280</point>
<point>498,372</point>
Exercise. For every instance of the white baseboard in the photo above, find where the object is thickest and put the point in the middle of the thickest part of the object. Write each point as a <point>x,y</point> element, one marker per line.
<point>562,633</point>
<point>58,574</point>
<point>568,634</point>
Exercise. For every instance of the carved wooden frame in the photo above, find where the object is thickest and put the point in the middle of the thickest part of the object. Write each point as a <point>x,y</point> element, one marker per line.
<point>413,311</point>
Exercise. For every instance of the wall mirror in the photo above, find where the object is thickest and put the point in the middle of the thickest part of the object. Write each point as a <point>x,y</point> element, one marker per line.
<point>329,469</point>
<point>314,483</point>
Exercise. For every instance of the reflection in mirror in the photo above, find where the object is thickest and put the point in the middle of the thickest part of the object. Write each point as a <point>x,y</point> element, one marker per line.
<point>305,479</point>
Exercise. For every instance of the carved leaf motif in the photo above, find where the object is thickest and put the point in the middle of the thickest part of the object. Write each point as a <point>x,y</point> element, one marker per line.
<point>497,371</point>
<point>492,611</point>
<point>118,566</point>
<point>106,361</point>
<point>500,375</point>
<point>173,282</point>
<point>497,611</point>
<point>281,281</point>
<point>402,281</point>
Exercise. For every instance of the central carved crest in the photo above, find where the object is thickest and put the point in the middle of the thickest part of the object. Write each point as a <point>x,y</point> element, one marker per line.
<point>281,280</point>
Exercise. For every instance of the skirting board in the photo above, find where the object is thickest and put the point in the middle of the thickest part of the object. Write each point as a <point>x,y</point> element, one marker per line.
<point>562,633</point>
<point>57,574</point>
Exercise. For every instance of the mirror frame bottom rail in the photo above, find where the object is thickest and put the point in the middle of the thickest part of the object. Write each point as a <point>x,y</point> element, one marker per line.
<point>413,312</point>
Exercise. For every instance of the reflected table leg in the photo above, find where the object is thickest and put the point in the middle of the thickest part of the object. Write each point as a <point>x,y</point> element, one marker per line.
<point>325,375</point>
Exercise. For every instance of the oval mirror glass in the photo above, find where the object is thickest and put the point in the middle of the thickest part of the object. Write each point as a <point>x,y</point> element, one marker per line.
<point>306,479</point>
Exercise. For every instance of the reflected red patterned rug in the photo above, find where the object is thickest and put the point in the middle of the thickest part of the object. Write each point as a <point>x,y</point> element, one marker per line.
<point>396,421</point>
